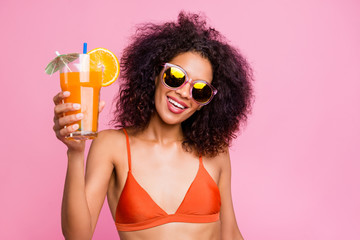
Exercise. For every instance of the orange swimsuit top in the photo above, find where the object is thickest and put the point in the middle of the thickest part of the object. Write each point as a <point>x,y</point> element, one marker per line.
<point>136,210</point>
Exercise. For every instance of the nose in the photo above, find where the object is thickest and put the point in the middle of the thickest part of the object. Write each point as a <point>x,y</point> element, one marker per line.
<point>184,91</point>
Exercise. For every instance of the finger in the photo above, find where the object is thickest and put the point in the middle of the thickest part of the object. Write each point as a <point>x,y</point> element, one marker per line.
<point>101,105</point>
<point>56,126</point>
<point>70,119</point>
<point>60,96</point>
<point>66,131</point>
<point>65,107</point>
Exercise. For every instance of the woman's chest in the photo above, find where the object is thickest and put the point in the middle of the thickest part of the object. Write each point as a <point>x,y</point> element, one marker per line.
<point>165,177</point>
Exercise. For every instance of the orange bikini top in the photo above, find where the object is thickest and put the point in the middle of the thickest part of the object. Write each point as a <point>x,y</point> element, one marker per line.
<point>136,210</point>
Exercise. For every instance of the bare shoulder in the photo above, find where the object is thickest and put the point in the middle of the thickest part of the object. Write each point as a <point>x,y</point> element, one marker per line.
<point>224,161</point>
<point>110,135</point>
<point>221,160</point>
<point>109,143</point>
<point>217,165</point>
<point>223,157</point>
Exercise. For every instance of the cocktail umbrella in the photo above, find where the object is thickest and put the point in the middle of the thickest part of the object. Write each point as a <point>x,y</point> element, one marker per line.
<point>60,61</point>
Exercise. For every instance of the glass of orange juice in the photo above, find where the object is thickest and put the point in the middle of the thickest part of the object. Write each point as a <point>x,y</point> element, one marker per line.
<point>83,80</point>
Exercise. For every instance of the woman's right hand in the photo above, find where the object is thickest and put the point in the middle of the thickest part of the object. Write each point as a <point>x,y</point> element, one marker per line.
<point>60,121</point>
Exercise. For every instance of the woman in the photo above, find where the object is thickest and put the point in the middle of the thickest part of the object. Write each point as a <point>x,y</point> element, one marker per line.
<point>166,170</point>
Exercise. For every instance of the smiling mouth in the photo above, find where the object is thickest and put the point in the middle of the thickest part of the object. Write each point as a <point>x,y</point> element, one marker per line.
<point>176,104</point>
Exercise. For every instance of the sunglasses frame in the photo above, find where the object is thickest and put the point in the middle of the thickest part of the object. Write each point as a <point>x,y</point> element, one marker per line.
<point>187,79</point>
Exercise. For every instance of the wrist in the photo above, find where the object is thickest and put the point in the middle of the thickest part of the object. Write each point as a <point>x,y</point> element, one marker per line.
<point>75,154</point>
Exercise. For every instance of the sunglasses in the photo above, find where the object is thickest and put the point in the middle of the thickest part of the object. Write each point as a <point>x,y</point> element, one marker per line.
<point>174,77</point>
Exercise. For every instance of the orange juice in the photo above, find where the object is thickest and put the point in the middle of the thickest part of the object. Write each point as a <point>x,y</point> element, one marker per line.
<point>84,88</point>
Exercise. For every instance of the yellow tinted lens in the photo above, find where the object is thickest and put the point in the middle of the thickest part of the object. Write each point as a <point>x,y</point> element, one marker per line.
<point>174,77</point>
<point>201,92</point>
<point>199,85</point>
<point>176,72</point>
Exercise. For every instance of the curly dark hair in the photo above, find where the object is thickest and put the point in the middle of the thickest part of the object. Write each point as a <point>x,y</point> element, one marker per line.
<point>210,130</point>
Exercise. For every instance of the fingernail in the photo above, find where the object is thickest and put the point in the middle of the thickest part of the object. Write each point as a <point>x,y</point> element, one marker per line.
<point>66,94</point>
<point>79,115</point>
<point>76,106</point>
<point>75,126</point>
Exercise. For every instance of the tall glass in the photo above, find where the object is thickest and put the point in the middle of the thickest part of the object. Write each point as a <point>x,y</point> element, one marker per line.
<point>83,81</point>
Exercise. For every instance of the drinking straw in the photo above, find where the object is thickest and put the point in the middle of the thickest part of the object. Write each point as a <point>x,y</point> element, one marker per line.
<point>85,48</point>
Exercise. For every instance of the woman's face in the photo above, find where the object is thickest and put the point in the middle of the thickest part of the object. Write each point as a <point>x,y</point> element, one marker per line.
<point>197,68</point>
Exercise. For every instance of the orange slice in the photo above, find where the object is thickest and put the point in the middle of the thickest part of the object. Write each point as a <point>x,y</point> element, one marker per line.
<point>109,63</point>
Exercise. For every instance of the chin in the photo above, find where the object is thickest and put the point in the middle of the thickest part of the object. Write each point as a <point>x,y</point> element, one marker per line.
<point>171,120</point>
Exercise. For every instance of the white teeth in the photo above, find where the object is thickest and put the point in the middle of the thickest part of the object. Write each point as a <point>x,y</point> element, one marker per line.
<point>176,104</point>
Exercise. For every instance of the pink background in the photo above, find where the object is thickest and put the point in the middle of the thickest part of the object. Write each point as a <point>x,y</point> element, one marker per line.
<point>296,164</point>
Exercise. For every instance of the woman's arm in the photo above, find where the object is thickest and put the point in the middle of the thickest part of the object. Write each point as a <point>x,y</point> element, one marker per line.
<point>75,214</point>
<point>229,227</point>
<point>84,195</point>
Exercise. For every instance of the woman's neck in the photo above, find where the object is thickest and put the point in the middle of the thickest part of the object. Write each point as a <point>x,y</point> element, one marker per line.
<point>161,132</point>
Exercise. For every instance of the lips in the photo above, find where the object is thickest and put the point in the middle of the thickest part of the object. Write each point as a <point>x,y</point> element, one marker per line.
<point>175,105</point>
<point>179,102</point>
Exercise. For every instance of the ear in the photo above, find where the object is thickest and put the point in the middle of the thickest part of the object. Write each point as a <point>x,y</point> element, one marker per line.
<point>200,106</point>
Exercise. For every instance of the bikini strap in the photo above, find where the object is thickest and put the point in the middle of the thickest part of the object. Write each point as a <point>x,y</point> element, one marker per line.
<point>128,149</point>
<point>200,160</point>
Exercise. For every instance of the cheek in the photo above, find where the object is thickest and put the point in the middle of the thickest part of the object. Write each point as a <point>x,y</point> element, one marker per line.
<point>157,88</point>
<point>160,93</point>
